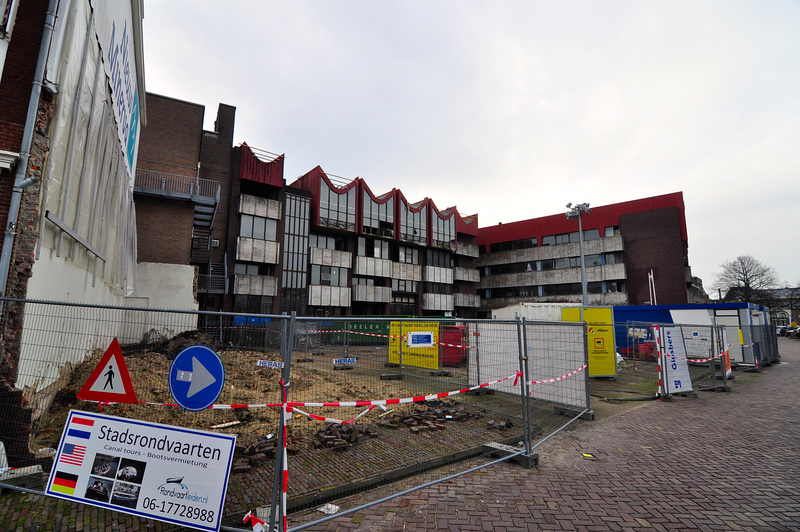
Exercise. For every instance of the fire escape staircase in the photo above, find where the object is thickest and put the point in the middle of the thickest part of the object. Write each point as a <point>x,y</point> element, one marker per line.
<point>204,195</point>
<point>213,277</point>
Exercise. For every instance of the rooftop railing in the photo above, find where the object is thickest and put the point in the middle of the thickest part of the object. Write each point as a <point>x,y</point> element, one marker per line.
<point>176,186</point>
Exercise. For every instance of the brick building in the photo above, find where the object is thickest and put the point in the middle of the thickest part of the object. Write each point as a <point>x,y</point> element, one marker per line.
<point>325,246</point>
<point>318,246</point>
<point>181,189</point>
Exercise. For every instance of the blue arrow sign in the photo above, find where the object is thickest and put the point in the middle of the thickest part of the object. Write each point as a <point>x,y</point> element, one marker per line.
<point>196,378</point>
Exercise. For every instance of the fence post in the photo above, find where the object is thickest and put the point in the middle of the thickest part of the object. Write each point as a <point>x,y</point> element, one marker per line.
<point>712,361</point>
<point>400,351</point>
<point>722,348</point>
<point>522,342</point>
<point>586,361</point>
<point>287,343</point>
<point>477,335</point>
<point>346,331</point>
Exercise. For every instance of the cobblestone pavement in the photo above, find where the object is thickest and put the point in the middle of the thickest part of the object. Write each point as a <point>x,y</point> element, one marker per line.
<point>721,461</point>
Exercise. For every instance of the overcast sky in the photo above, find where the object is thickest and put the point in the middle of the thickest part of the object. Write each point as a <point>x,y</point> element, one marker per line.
<point>511,109</point>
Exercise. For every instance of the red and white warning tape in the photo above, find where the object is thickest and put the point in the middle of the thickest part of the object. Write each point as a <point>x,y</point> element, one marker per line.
<point>561,378</point>
<point>293,405</point>
<point>361,333</point>
<point>330,419</point>
<point>698,360</point>
<point>406,400</point>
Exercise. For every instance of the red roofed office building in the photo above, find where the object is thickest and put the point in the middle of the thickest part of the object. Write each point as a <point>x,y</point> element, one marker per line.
<point>538,260</point>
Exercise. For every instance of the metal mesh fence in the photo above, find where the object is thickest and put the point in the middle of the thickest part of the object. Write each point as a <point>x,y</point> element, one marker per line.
<point>371,412</point>
<point>699,351</point>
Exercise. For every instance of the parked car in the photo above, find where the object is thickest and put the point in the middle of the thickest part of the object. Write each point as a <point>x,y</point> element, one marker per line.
<point>793,332</point>
<point>780,330</point>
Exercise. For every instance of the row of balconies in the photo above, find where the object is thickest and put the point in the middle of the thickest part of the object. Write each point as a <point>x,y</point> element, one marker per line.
<point>604,272</point>
<point>602,245</point>
<point>341,296</point>
<point>607,299</point>
<point>265,251</point>
<point>375,267</point>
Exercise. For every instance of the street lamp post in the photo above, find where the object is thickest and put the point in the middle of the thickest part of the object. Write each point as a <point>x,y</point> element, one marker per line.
<point>575,212</point>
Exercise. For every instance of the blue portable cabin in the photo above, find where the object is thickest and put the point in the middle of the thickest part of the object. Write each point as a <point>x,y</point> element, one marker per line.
<point>758,345</point>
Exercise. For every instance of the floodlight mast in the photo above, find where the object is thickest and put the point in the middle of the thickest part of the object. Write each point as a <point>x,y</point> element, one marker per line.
<point>575,212</point>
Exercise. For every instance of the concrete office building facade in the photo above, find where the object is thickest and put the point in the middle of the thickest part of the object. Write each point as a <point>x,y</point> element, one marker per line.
<point>629,248</point>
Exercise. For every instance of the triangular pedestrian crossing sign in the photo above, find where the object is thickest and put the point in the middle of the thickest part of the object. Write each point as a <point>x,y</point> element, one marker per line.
<point>110,381</point>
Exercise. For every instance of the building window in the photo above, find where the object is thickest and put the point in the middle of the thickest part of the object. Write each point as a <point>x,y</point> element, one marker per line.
<point>567,289</point>
<point>337,209</point>
<point>403,305</point>
<point>253,269</point>
<point>512,267</point>
<point>437,288</point>
<point>574,236</point>
<point>258,227</point>
<point>295,254</point>
<point>615,286</point>
<point>444,232</point>
<point>378,217</point>
<point>513,245</point>
<point>403,285</point>
<point>440,259</point>
<point>363,281</point>
<point>591,234</point>
<point>247,304</point>
<point>373,247</point>
<point>326,242</point>
<point>595,287</point>
<point>612,231</point>
<point>592,260</point>
<point>414,225</point>
<point>407,255</point>
<point>566,238</point>
<point>328,275</point>
<point>511,291</point>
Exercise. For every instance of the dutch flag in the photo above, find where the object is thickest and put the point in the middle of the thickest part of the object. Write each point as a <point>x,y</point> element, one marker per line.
<point>80,427</point>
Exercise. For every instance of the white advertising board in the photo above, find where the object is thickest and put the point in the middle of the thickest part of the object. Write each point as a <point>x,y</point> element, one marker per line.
<point>676,368</point>
<point>168,473</point>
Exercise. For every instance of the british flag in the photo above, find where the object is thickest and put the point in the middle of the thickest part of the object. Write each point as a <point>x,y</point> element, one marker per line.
<point>72,454</point>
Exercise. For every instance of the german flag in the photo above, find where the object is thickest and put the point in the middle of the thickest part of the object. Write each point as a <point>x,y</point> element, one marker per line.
<point>64,483</point>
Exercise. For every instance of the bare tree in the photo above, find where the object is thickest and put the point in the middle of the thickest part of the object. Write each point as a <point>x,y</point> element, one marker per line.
<point>747,279</point>
<point>791,300</point>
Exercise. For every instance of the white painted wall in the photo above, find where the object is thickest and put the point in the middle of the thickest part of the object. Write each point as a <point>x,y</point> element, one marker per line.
<point>54,336</point>
<point>167,286</point>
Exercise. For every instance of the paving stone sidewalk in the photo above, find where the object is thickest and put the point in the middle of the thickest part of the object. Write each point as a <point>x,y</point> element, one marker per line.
<point>721,461</point>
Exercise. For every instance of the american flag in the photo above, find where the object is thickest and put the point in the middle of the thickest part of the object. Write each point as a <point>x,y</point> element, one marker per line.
<point>72,454</point>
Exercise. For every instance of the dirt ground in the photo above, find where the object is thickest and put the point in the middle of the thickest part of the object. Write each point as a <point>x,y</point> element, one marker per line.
<point>149,365</point>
